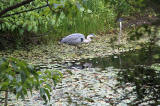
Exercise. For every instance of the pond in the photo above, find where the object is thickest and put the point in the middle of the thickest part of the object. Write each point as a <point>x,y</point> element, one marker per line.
<point>129,78</point>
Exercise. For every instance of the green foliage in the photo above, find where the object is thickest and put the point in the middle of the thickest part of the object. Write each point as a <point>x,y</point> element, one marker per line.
<point>30,21</point>
<point>93,17</point>
<point>151,32</point>
<point>19,78</point>
<point>34,21</point>
<point>60,18</point>
<point>63,17</point>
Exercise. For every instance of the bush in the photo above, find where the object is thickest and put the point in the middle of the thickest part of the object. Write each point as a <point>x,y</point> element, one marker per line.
<point>19,78</point>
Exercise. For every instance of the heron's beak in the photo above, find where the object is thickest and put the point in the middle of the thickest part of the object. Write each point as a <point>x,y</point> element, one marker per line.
<point>94,36</point>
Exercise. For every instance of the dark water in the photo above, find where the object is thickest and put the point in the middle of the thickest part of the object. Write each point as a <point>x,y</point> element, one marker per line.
<point>145,56</point>
<point>136,70</point>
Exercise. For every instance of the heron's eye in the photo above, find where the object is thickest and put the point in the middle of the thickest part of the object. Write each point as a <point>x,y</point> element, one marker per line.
<point>81,39</point>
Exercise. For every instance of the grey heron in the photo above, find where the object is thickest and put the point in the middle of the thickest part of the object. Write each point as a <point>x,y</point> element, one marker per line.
<point>76,38</point>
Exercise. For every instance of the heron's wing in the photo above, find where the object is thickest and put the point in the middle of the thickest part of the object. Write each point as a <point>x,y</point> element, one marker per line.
<point>76,35</point>
<point>75,38</point>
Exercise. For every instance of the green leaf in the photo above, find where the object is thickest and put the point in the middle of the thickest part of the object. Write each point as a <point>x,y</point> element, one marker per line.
<point>4,85</point>
<point>24,25</point>
<point>48,86</point>
<point>29,28</point>
<point>31,17</point>
<point>11,2</point>
<point>47,92</point>
<point>13,27</point>
<point>35,29</point>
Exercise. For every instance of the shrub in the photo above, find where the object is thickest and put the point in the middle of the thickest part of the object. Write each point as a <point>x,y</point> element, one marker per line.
<point>19,78</point>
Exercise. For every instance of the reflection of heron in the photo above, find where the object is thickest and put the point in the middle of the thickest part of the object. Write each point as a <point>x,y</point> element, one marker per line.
<point>87,65</point>
<point>76,38</point>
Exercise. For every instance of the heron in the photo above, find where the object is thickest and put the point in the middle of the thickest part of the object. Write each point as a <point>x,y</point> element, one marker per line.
<point>76,38</point>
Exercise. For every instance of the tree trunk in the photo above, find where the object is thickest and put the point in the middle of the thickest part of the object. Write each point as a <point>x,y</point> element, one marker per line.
<point>6,98</point>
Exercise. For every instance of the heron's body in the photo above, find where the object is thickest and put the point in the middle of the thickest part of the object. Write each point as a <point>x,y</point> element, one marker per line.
<point>75,39</point>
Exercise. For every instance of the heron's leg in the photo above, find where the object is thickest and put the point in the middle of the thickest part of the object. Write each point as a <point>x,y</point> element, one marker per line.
<point>78,50</point>
<point>79,47</point>
<point>74,49</point>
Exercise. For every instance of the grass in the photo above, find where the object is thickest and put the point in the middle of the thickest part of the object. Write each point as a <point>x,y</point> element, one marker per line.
<point>94,20</point>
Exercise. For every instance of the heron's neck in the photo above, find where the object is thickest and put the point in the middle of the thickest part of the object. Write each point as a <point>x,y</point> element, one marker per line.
<point>87,40</point>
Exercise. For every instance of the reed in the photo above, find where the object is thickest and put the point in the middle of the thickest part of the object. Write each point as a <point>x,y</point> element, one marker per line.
<point>98,18</point>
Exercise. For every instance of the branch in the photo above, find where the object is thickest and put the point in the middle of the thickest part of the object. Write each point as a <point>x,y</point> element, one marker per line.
<point>8,15</point>
<point>6,98</point>
<point>15,6</point>
<point>49,6</point>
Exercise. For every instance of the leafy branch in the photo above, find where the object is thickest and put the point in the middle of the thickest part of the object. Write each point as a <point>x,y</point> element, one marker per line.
<point>14,7</point>
<point>20,78</point>
<point>8,15</point>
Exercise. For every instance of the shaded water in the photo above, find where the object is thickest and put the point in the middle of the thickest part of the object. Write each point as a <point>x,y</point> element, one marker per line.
<point>138,70</point>
<point>144,56</point>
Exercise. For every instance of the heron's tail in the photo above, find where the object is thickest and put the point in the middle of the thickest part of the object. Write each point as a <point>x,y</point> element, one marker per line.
<point>61,41</point>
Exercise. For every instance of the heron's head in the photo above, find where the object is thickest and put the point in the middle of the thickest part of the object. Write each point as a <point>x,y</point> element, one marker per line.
<point>91,36</point>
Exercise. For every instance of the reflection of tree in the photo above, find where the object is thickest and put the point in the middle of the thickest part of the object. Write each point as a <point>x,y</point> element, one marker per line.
<point>145,83</point>
<point>145,56</point>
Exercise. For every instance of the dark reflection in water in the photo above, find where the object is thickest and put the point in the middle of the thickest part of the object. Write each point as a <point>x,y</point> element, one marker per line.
<point>146,83</point>
<point>136,71</point>
<point>145,56</point>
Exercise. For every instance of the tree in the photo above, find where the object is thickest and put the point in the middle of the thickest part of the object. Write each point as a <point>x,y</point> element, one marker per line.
<point>31,15</point>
